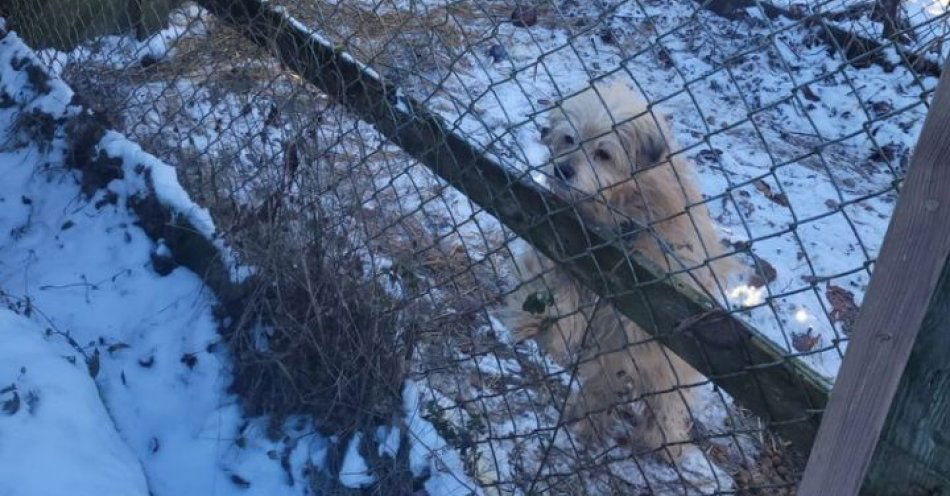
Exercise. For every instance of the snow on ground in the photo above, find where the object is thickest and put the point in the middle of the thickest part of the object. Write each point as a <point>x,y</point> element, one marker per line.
<point>750,103</point>
<point>925,22</point>
<point>51,416</point>
<point>430,452</point>
<point>80,267</point>
<point>355,473</point>
<point>79,270</point>
<point>797,152</point>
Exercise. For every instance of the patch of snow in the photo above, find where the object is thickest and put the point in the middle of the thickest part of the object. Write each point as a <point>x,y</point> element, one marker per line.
<point>430,454</point>
<point>56,437</point>
<point>355,473</point>
<point>164,179</point>
<point>388,438</point>
<point>116,51</point>
<point>162,249</point>
<point>81,268</point>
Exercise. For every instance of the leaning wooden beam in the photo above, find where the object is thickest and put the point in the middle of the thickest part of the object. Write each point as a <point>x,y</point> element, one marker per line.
<point>739,359</point>
<point>856,50</point>
<point>893,389</point>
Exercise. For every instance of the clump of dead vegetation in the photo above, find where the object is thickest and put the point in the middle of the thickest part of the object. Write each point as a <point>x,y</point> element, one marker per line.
<point>318,336</point>
<point>402,44</point>
<point>317,332</point>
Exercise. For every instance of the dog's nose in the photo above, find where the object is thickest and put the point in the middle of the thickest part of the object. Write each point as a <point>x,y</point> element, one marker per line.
<point>564,171</point>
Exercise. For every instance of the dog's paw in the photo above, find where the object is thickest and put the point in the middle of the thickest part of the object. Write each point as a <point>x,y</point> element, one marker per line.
<point>631,230</point>
<point>673,453</point>
<point>529,328</point>
<point>668,437</point>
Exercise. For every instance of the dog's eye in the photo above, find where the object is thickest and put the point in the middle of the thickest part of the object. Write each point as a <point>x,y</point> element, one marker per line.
<point>545,131</point>
<point>602,155</point>
<point>568,139</point>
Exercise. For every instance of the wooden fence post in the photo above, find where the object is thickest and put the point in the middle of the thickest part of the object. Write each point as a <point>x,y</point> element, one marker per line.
<point>886,429</point>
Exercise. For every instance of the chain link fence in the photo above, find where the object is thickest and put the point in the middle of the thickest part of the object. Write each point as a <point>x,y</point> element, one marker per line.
<point>660,308</point>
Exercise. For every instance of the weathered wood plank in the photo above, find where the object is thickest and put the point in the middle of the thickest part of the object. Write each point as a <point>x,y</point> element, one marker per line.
<point>913,455</point>
<point>781,390</point>
<point>911,261</point>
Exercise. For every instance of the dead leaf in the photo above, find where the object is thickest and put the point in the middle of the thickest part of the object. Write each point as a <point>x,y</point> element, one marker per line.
<point>764,272</point>
<point>291,161</point>
<point>766,190</point>
<point>710,155</point>
<point>804,341</point>
<point>12,405</point>
<point>240,481</point>
<point>524,17</point>
<point>116,347</point>
<point>881,107</point>
<point>843,307</point>
<point>93,364</point>
<point>809,94</point>
<point>664,58</point>
<point>190,360</point>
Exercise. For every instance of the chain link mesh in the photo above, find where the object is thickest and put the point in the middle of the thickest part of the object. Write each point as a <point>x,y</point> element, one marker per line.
<point>794,120</point>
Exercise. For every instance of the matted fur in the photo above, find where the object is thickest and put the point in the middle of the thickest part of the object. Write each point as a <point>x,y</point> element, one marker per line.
<point>618,155</point>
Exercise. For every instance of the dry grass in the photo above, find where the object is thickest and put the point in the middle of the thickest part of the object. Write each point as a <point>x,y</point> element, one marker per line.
<point>401,43</point>
<point>320,337</point>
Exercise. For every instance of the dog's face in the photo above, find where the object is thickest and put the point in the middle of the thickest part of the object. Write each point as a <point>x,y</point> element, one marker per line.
<point>598,139</point>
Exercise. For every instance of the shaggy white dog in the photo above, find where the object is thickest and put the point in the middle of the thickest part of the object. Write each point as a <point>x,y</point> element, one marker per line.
<point>610,159</point>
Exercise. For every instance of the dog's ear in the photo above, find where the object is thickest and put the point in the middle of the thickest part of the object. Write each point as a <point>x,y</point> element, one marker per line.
<point>553,120</point>
<point>644,141</point>
<point>652,149</point>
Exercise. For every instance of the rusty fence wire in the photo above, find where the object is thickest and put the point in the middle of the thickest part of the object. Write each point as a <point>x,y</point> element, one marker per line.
<point>601,246</point>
